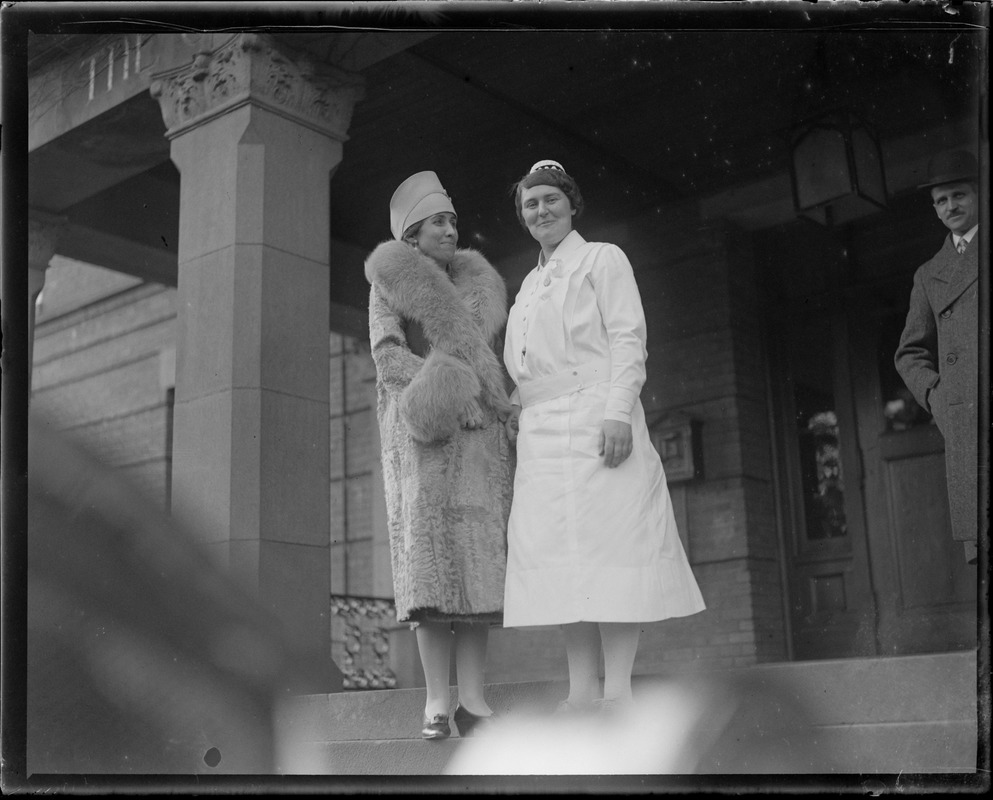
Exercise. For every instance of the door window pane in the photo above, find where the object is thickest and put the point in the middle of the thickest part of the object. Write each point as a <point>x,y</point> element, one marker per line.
<point>821,479</point>
<point>823,489</point>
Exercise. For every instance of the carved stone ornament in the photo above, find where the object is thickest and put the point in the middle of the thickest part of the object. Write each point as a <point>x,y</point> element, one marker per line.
<point>360,643</point>
<point>251,68</point>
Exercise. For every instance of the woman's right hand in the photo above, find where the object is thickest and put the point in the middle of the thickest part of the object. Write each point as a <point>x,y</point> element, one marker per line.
<point>511,423</point>
<point>616,442</point>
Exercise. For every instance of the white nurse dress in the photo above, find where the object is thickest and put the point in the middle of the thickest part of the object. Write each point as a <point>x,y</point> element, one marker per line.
<point>586,542</point>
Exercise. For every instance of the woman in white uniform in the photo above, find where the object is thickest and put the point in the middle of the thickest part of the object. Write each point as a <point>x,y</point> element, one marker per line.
<point>592,540</point>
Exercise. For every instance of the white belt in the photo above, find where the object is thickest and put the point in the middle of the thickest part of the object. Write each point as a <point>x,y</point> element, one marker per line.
<point>548,387</point>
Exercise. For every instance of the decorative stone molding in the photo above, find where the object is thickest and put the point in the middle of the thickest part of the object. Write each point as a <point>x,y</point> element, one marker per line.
<point>251,68</point>
<point>44,230</point>
<point>360,644</point>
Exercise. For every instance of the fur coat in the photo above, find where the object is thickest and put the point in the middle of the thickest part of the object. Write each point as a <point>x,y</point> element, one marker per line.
<point>448,488</point>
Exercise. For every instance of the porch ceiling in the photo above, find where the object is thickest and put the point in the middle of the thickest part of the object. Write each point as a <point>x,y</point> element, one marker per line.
<point>642,118</point>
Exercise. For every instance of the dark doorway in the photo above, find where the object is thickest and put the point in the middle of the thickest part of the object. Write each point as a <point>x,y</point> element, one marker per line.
<point>871,564</point>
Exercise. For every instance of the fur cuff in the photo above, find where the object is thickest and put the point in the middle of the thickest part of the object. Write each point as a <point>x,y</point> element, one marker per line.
<point>437,396</point>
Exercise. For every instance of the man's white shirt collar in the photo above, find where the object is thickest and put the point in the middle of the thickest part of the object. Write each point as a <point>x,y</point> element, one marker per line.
<point>967,236</point>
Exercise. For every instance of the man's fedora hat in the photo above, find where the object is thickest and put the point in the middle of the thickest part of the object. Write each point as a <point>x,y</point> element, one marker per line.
<point>951,167</point>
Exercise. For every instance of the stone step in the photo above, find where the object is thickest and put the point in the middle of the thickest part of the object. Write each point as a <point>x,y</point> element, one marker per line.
<point>881,749</point>
<point>880,715</point>
<point>904,747</point>
<point>924,688</point>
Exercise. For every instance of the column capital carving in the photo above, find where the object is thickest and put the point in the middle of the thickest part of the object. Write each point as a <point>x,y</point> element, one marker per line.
<point>44,230</point>
<point>252,68</point>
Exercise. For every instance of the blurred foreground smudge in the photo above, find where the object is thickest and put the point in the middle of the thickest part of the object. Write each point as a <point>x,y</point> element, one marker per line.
<point>707,724</point>
<point>143,656</point>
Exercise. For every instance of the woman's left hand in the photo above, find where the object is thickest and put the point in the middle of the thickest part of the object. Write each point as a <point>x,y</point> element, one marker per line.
<point>512,424</point>
<point>472,415</point>
<point>615,442</point>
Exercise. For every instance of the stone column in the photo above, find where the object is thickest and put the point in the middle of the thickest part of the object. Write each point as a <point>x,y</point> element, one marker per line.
<point>255,133</point>
<point>44,230</point>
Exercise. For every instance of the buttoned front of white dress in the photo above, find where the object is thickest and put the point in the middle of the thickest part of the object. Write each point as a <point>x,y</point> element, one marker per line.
<point>586,543</point>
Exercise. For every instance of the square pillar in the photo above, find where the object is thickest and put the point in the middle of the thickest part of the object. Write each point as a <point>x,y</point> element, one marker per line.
<point>255,133</point>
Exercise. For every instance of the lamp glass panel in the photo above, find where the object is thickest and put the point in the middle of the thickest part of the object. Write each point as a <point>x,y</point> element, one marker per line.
<point>820,162</point>
<point>868,166</point>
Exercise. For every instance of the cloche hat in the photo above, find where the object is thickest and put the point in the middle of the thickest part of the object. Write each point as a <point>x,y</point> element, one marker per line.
<point>417,198</point>
<point>951,166</point>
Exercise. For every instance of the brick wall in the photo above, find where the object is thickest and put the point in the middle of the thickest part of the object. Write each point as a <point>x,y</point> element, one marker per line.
<point>353,451</point>
<point>707,360</point>
<point>104,364</point>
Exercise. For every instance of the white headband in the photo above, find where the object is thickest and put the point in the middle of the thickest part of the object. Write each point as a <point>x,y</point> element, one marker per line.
<point>547,165</point>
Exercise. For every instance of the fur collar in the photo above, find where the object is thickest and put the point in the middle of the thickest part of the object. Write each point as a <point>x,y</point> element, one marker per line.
<point>452,312</point>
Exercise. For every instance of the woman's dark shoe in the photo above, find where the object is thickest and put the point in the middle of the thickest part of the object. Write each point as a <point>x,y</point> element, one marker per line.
<point>437,727</point>
<point>467,721</point>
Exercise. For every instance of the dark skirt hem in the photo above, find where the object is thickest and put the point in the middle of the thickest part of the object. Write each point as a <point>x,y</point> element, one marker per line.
<point>418,615</point>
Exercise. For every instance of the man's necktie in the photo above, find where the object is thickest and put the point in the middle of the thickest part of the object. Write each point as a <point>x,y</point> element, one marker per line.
<point>961,245</point>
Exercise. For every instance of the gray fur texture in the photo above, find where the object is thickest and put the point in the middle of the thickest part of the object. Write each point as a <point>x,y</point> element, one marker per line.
<point>448,489</point>
<point>461,317</point>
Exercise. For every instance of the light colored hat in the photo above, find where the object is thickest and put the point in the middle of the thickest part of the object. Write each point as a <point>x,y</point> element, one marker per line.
<point>547,164</point>
<point>417,198</point>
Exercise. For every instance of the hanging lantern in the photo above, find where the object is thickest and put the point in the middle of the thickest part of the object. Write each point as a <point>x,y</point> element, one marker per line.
<point>836,168</point>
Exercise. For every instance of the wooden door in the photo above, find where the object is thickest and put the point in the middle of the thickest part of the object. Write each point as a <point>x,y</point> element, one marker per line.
<point>831,599</point>
<point>870,562</point>
<point>925,591</point>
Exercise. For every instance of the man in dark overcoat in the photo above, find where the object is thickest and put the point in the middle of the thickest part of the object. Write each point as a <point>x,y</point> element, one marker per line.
<point>938,353</point>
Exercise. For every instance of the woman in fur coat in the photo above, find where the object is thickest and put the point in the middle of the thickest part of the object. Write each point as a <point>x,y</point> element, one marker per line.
<point>435,315</point>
